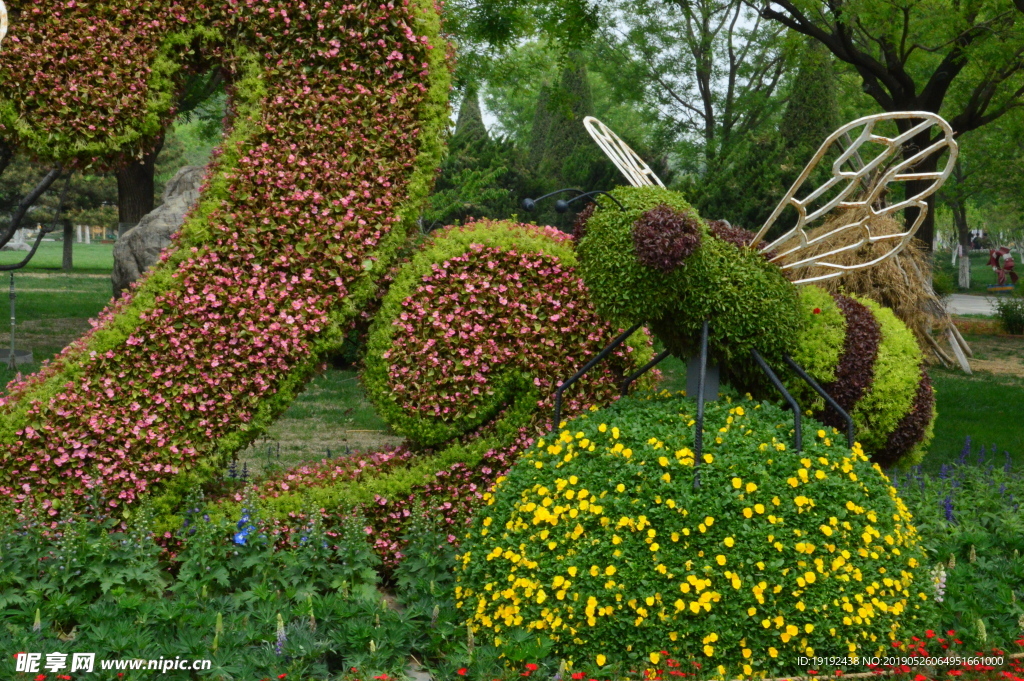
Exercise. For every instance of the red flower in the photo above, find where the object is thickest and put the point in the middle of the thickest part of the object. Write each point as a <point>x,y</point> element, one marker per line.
<point>951,632</point>
<point>41,677</point>
<point>930,633</point>
<point>577,676</point>
<point>811,671</point>
<point>461,671</point>
<point>920,677</point>
<point>817,310</point>
<point>532,667</point>
<point>281,676</point>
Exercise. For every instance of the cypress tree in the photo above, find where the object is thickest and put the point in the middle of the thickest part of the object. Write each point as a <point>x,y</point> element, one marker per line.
<point>568,152</point>
<point>478,177</point>
<point>469,127</point>
<point>561,152</point>
<point>812,112</point>
<point>541,125</point>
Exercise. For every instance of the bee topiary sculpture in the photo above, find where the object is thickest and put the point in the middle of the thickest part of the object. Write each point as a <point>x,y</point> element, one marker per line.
<point>710,290</point>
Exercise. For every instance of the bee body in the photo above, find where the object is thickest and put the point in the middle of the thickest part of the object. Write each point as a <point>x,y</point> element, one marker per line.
<point>658,262</point>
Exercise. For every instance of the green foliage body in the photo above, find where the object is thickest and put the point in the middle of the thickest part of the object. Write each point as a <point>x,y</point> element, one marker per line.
<point>896,372</point>
<point>746,299</point>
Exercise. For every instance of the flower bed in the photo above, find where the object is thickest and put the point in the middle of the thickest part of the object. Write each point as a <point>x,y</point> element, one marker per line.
<point>599,540</point>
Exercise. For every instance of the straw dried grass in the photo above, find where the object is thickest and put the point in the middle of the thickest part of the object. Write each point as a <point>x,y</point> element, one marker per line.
<point>901,282</point>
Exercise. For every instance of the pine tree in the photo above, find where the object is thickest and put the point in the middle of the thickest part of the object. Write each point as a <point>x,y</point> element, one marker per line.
<point>477,178</point>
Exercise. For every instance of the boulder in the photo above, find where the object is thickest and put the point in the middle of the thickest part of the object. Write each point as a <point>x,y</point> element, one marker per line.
<point>139,248</point>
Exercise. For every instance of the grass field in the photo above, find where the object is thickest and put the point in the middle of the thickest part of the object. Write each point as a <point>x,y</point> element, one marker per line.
<point>86,258</point>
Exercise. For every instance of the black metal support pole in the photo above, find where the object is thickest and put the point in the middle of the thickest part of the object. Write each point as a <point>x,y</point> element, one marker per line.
<point>828,398</point>
<point>785,393</point>
<point>698,433</point>
<point>10,360</point>
<point>586,367</point>
<point>626,382</point>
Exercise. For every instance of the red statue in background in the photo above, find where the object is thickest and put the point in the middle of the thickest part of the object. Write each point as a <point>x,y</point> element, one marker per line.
<point>1002,264</point>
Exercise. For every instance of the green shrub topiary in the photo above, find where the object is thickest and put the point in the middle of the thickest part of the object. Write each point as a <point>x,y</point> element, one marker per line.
<point>598,540</point>
<point>1011,314</point>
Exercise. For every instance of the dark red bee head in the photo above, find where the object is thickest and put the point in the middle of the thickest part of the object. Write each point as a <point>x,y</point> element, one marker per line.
<point>665,237</point>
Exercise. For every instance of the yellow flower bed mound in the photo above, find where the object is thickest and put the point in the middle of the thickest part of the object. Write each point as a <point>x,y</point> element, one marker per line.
<point>599,540</point>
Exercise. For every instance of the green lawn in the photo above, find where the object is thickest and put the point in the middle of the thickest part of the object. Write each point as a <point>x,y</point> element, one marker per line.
<point>87,258</point>
<point>985,406</point>
<point>51,311</point>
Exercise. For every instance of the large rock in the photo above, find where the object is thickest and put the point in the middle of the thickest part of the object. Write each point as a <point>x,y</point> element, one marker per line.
<point>139,248</point>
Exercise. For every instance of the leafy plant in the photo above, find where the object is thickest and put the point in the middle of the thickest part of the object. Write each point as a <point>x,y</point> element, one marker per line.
<point>1011,314</point>
<point>969,521</point>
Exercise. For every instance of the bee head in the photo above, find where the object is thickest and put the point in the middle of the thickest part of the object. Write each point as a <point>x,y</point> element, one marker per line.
<point>665,237</point>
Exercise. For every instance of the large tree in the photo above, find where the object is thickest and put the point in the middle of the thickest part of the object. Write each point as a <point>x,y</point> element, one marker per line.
<point>962,60</point>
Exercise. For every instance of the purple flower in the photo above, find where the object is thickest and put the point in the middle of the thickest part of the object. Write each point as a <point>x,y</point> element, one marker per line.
<point>965,451</point>
<point>948,506</point>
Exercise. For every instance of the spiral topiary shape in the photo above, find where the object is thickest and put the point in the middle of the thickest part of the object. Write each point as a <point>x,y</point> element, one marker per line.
<point>482,326</point>
<point>335,125</point>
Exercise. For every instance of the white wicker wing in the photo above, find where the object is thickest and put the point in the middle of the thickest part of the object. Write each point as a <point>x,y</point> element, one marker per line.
<point>861,185</point>
<point>625,159</point>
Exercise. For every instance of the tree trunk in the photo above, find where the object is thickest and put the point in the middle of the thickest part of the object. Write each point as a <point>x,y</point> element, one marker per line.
<point>963,233</point>
<point>69,240</point>
<point>135,188</point>
<point>926,232</point>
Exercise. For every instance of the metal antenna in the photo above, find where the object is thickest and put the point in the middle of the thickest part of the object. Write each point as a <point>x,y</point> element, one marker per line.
<point>698,433</point>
